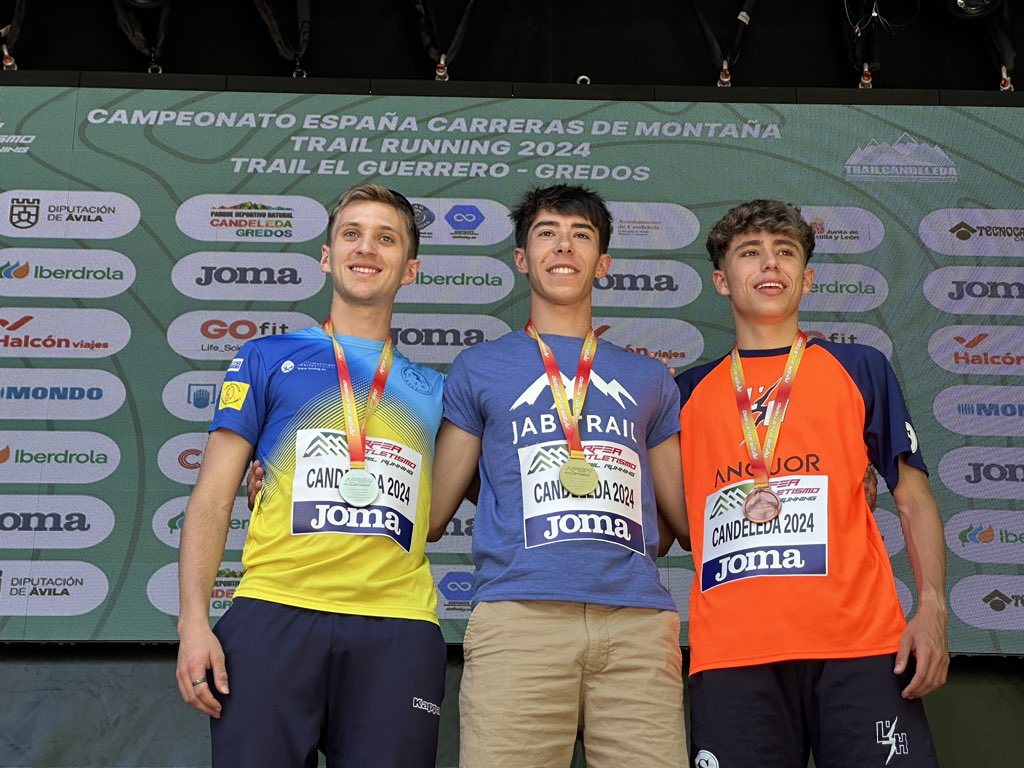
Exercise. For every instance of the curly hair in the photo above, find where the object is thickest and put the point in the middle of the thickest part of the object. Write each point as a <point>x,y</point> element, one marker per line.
<point>772,216</point>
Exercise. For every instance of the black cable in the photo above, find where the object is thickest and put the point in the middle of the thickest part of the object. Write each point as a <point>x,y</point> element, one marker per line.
<point>430,38</point>
<point>131,24</point>
<point>293,53</point>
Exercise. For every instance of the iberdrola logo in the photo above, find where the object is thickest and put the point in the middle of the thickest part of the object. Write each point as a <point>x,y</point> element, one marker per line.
<point>975,534</point>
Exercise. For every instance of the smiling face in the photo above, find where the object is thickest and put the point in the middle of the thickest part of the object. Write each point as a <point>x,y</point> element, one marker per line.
<point>764,275</point>
<point>368,255</point>
<point>561,259</point>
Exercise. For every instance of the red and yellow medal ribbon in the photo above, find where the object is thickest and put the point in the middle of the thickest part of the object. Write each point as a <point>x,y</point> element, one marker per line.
<point>356,435</point>
<point>761,458</point>
<point>568,415</point>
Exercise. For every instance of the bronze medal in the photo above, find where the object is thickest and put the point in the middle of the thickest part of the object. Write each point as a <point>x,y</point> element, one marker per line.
<point>762,505</point>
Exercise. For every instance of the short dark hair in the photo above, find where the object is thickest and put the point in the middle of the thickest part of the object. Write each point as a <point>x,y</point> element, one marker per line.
<point>772,216</point>
<point>566,200</point>
<point>375,193</point>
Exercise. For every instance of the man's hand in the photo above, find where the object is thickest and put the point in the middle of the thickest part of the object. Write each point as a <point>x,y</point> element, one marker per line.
<point>925,638</point>
<point>870,488</point>
<point>254,482</point>
<point>201,665</point>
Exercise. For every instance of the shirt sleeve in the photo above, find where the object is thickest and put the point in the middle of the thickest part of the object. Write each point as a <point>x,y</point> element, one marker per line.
<point>665,422</point>
<point>461,406</point>
<point>242,405</point>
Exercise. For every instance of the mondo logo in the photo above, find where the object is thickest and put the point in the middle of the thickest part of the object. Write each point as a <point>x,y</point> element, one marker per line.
<point>162,588</point>
<point>459,280</point>
<point>850,333</point>
<point>265,219</point>
<point>59,393</point>
<point>50,587</point>
<point>248,276</point>
<point>652,226</point>
<point>977,290</point>
<point>974,231</point>
<point>461,221</point>
<point>988,349</point>
<point>169,518</point>
<point>47,332</point>
<point>675,340</point>
<point>439,338</point>
<point>219,335</point>
<point>54,522</point>
<point>989,601</point>
<point>56,457</point>
<point>987,535</point>
<point>67,215</point>
<point>843,229</point>
<point>845,288</point>
<point>984,473</point>
<point>972,409</point>
<point>647,283</point>
<point>180,457</point>
<point>93,274</point>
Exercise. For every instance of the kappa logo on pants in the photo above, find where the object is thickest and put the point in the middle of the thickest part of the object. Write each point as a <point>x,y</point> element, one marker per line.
<point>705,759</point>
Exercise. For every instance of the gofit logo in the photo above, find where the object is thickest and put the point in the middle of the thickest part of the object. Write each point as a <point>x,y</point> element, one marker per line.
<point>989,601</point>
<point>845,288</point>
<point>255,218</point>
<point>64,272</point>
<point>56,457</point>
<point>652,226</point>
<point>248,276</point>
<point>46,332</point>
<point>466,220</point>
<point>53,393</point>
<point>180,457</point>
<point>974,231</point>
<point>971,409</point>
<point>984,473</point>
<point>647,283</point>
<point>67,215</point>
<point>54,522</point>
<point>976,290</point>
<point>839,229</point>
<point>51,588</point>
<point>169,518</point>
<point>850,333</point>
<point>674,340</point>
<point>459,280</point>
<point>996,350</point>
<point>439,338</point>
<point>219,335</point>
<point>906,159</point>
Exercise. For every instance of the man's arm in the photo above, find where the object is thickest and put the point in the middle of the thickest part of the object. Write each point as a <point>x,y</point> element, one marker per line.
<point>202,547</point>
<point>925,635</point>
<point>666,470</point>
<point>455,461</point>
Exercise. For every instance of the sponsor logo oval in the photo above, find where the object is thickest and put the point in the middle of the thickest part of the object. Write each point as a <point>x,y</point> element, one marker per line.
<point>458,536</point>
<point>454,585</point>
<point>56,457</point>
<point>974,409</point>
<point>977,290</point>
<point>675,340</point>
<point>459,280</point>
<point>257,219</point>
<point>652,226</point>
<point>647,283</point>
<point>984,472</point>
<point>48,332</point>
<point>219,335</point>
<point>462,221</point>
<point>843,229</point>
<point>980,349</point>
<point>989,601</point>
<point>974,231</point>
<point>439,338</point>
<point>192,396</point>
<point>50,587</point>
<point>64,215</point>
<point>54,522</point>
<point>169,518</point>
<point>180,457</point>
<point>850,333</point>
<point>845,288</point>
<point>238,276</point>
<point>162,588</point>
<point>59,393</point>
<point>986,535</point>
<point>92,274</point>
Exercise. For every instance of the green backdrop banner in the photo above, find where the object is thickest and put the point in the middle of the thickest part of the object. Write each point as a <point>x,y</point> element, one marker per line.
<point>146,235</point>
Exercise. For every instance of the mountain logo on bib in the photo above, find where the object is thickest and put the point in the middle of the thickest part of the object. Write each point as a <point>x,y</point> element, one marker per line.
<point>327,443</point>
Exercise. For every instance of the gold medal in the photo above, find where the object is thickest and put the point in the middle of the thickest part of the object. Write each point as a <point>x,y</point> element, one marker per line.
<point>578,477</point>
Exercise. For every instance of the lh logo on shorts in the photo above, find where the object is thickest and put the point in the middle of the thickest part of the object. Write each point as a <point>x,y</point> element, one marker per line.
<point>886,735</point>
<point>705,759</point>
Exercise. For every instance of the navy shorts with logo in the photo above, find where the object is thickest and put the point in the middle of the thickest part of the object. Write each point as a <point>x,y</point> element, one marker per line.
<point>365,691</point>
<point>848,713</point>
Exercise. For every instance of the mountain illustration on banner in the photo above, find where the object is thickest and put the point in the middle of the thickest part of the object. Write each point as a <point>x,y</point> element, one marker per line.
<point>906,150</point>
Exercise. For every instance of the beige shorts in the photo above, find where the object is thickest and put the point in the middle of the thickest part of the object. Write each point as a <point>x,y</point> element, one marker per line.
<point>538,671</point>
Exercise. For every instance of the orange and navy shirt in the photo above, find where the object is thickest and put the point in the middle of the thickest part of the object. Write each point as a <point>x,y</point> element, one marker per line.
<point>816,582</point>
